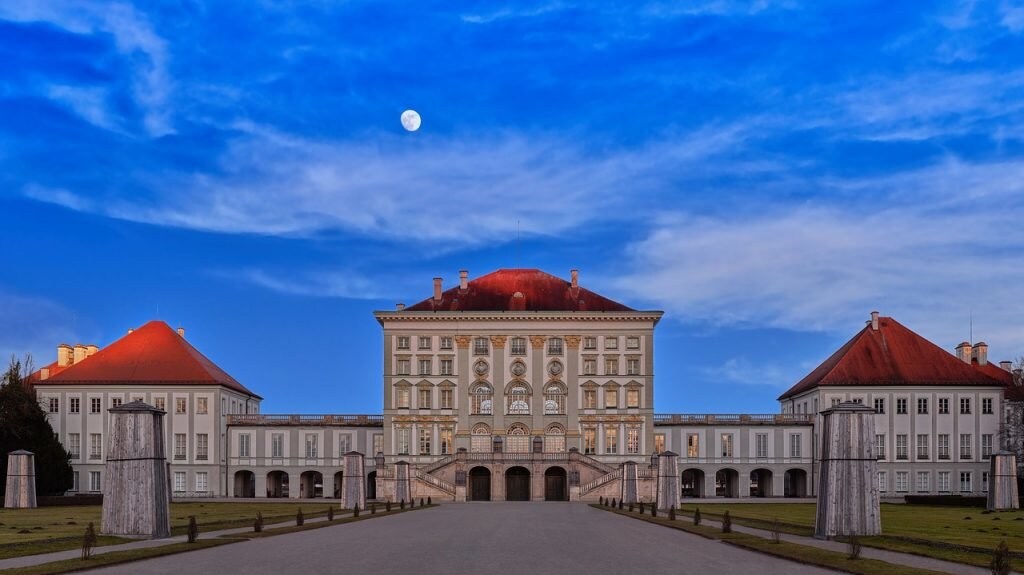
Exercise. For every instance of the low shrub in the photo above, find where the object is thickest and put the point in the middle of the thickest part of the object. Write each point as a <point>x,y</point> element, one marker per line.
<point>1000,564</point>
<point>193,529</point>
<point>671,513</point>
<point>726,522</point>
<point>387,505</point>
<point>330,513</point>
<point>696,516</point>
<point>257,526</point>
<point>299,518</point>
<point>88,541</point>
<point>373,508</point>
<point>355,510</point>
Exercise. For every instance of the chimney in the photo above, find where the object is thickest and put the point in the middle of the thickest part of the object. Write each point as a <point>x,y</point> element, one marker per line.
<point>130,330</point>
<point>463,279</point>
<point>80,353</point>
<point>980,353</point>
<point>874,320</point>
<point>437,289</point>
<point>91,349</point>
<point>181,332</point>
<point>575,275</point>
<point>44,373</point>
<point>963,352</point>
<point>64,355</point>
<point>399,306</point>
<point>1006,365</point>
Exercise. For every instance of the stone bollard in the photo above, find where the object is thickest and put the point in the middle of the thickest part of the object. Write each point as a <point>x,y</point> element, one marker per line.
<point>21,480</point>
<point>668,481</point>
<point>136,496</point>
<point>1002,491</point>
<point>848,485</point>
<point>628,483</point>
<point>353,485</point>
<point>403,491</point>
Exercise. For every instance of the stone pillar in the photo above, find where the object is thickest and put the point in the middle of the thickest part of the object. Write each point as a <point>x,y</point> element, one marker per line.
<point>136,497</point>
<point>21,480</point>
<point>353,481</point>
<point>627,487</point>
<point>403,487</point>
<point>1002,489</point>
<point>847,484</point>
<point>668,481</point>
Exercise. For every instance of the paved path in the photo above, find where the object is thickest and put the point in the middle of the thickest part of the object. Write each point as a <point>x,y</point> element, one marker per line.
<point>480,538</point>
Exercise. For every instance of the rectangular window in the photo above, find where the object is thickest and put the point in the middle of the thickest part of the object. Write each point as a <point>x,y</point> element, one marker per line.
<point>403,440</point>
<point>378,443</point>
<point>965,445</point>
<point>611,398</point>
<point>425,367</point>
<point>943,446</point>
<point>54,405</point>
<point>402,342</point>
<point>425,436</point>
<point>277,445</point>
<point>611,366</point>
<point>727,450</point>
<point>611,440</point>
<point>424,342</point>
<point>311,445</point>
<point>986,446</point>
<point>901,446</point>
<point>659,443</point>
<point>943,406</point>
<point>923,482</point>
<point>590,342</point>
<point>555,346</point>
<point>518,346</point>
<point>632,398</point>
<point>179,405</point>
<point>75,445</point>
<point>402,397</point>
<point>965,481</point>
<point>795,445</point>
<point>611,342</point>
<point>902,481</point>
<point>986,406</point>
<point>94,481</point>
<point>115,402</point>
<point>481,346</point>
<point>202,482</point>
<point>424,399</point>
<point>201,406</point>
<point>901,406</point>
<point>402,367</point>
<point>883,483</point>
<point>589,367</point>
<point>589,399</point>
<point>179,481</point>
<point>446,367</point>
<point>632,439</point>
<point>589,440</point>
<point>922,406</point>
<point>202,446</point>
<point>447,398</point>
<point>344,444</point>
<point>632,366</point>
<point>923,452</point>
<point>160,403</point>
<point>76,405</point>
<point>761,445</point>
<point>95,446</point>
<point>632,342</point>
<point>244,445</point>
<point>180,444</point>
<point>94,405</point>
<point>692,445</point>
<point>880,445</point>
<point>446,439</point>
<point>965,406</point>
<point>879,405</point>
<point>943,482</point>
<point>445,341</point>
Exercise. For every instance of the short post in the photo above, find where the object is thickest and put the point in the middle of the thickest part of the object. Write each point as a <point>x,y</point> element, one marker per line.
<point>353,481</point>
<point>628,484</point>
<point>847,485</point>
<point>403,491</point>
<point>1002,489</point>
<point>668,480</point>
<point>21,480</point>
<point>136,498</point>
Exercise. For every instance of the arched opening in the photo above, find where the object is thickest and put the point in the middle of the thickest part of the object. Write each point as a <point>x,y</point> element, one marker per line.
<point>556,487</point>
<point>518,399</point>
<point>311,484</point>
<point>245,484</point>
<point>795,482</point>
<point>760,483</point>
<point>481,439</point>
<point>481,399</point>
<point>479,484</point>
<point>517,484</point>
<point>277,484</point>
<point>727,483</point>
<point>554,399</point>
<point>371,485</point>
<point>554,439</point>
<point>692,481</point>
<point>518,440</point>
<point>338,480</point>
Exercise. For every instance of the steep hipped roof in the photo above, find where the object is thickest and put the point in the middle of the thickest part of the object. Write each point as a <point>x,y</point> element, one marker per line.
<point>519,290</point>
<point>154,354</point>
<point>1011,392</point>
<point>891,355</point>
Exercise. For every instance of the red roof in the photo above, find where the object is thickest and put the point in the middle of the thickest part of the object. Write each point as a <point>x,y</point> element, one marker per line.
<point>154,354</point>
<point>892,355</point>
<point>1012,392</point>
<point>519,290</point>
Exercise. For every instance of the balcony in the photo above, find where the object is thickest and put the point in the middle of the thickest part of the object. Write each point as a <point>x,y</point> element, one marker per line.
<point>311,420</point>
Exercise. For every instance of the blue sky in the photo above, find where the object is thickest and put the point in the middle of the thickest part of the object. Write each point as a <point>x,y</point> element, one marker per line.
<point>765,172</point>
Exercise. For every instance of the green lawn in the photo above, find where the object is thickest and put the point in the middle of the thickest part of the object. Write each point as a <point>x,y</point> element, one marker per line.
<point>46,529</point>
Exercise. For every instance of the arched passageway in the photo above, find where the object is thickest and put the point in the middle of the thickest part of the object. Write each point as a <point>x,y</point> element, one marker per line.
<point>245,484</point>
<point>795,483</point>
<point>371,485</point>
<point>517,484</point>
<point>692,482</point>
<point>556,486</point>
<point>311,484</point>
<point>479,484</point>
<point>727,483</point>
<point>760,483</point>
<point>339,479</point>
<point>277,484</point>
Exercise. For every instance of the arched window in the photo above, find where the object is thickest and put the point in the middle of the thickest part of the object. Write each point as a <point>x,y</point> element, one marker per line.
<point>554,399</point>
<point>481,439</point>
<point>518,400</point>
<point>481,399</point>
<point>518,440</point>
<point>554,440</point>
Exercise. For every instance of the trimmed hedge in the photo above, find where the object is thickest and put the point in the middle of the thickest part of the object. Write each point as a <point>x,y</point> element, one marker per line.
<point>945,500</point>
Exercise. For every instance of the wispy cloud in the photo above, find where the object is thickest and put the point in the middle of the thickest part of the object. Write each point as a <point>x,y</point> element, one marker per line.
<point>509,12</point>
<point>743,371</point>
<point>350,285</point>
<point>32,326</point>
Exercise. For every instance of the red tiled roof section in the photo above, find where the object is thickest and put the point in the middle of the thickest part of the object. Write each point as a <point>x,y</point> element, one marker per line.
<point>154,354</point>
<point>891,355</point>
<point>1011,392</point>
<point>540,291</point>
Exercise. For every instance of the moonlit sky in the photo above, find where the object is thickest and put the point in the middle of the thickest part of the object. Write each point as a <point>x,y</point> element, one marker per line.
<point>765,172</point>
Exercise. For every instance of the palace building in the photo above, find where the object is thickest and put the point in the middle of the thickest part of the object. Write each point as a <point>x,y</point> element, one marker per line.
<point>519,385</point>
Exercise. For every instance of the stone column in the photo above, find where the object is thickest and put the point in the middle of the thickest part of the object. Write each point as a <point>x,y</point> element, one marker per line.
<point>21,480</point>
<point>403,488</point>
<point>847,484</point>
<point>668,481</point>
<point>628,486</point>
<point>353,481</point>
<point>1002,489</point>
<point>136,496</point>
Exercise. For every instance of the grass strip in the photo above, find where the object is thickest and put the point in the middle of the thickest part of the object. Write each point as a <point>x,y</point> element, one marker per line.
<point>785,550</point>
<point>10,550</point>
<point>321,524</point>
<point>115,558</point>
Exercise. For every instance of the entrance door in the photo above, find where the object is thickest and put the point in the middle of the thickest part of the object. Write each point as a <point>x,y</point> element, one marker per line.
<point>517,484</point>
<point>555,485</point>
<point>479,484</point>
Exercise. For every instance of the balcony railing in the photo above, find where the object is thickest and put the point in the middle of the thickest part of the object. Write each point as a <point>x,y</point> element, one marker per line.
<point>339,420</point>
<point>734,419</point>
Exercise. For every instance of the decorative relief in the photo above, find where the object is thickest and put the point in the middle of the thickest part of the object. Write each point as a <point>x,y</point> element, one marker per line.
<point>555,369</point>
<point>480,368</point>
<point>463,341</point>
<point>518,369</point>
<point>572,341</point>
<point>537,341</point>
<point>611,419</point>
<point>498,341</point>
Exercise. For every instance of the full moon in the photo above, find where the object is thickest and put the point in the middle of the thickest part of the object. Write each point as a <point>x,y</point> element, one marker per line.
<point>411,120</point>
